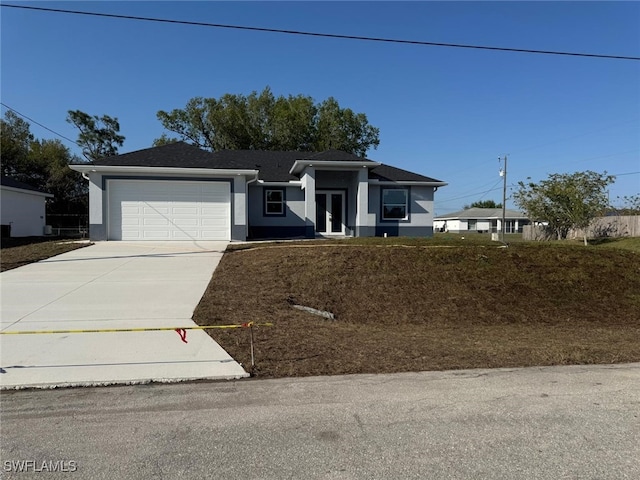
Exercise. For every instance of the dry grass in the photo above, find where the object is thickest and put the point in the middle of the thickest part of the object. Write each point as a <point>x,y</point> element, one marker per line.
<point>435,304</point>
<point>16,252</point>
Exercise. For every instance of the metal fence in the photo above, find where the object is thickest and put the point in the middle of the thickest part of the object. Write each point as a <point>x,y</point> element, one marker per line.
<point>601,227</point>
<point>69,225</point>
<point>68,232</point>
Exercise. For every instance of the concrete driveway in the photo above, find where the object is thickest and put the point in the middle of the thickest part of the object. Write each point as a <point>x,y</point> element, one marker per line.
<point>104,286</point>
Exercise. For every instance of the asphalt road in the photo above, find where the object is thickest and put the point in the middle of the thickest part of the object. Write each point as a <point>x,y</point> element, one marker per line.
<point>580,422</point>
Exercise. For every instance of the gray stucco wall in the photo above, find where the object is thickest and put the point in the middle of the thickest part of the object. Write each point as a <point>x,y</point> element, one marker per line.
<point>420,221</point>
<point>291,224</point>
<point>294,211</point>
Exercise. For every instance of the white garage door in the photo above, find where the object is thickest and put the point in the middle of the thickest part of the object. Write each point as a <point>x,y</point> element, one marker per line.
<point>169,210</point>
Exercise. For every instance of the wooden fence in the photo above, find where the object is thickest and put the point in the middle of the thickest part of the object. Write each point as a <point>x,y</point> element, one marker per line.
<point>614,226</point>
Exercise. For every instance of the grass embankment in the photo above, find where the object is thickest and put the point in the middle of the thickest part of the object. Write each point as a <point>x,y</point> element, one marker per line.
<point>461,304</point>
<point>16,252</point>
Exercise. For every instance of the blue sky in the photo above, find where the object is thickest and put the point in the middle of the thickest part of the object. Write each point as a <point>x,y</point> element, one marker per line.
<point>446,113</point>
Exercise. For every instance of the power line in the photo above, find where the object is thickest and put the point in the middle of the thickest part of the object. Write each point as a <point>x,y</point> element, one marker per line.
<point>324,35</point>
<point>448,200</point>
<point>38,123</point>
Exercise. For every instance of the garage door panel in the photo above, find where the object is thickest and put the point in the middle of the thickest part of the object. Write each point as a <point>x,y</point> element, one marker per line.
<point>185,211</point>
<point>213,220</point>
<point>186,222</point>
<point>155,235</point>
<point>214,212</point>
<point>154,222</point>
<point>169,210</point>
<point>131,209</point>
<point>185,234</point>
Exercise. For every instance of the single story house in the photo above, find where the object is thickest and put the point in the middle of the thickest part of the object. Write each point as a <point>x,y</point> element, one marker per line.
<point>23,208</point>
<point>180,192</point>
<point>481,220</point>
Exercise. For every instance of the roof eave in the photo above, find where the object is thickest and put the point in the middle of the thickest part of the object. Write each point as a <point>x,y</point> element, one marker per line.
<point>280,183</point>
<point>165,170</point>
<point>408,182</point>
<point>300,165</point>
<point>26,190</point>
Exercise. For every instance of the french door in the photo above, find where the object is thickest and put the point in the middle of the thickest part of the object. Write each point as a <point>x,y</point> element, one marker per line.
<point>330,212</point>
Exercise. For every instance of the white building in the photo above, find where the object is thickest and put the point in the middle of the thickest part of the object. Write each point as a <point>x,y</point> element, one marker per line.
<point>22,208</point>
<point>480,220</point>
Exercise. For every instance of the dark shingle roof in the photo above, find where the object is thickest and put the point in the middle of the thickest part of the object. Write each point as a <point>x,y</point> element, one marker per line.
<point>177,154</point>
<point>334,156</point>
<point>10,182</point>
<point>386,173</point>
<point>274,166</point>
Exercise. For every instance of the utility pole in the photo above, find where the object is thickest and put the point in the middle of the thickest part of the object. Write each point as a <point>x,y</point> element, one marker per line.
<point>503,174</point>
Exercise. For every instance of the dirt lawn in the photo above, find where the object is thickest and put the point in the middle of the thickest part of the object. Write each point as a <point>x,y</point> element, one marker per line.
<point>425,306</point>
<point>16,252</point>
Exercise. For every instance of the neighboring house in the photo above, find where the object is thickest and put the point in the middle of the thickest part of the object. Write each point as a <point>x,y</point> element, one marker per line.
<point>22,208</point>
<point>180,192</point>
<point>481,220</point>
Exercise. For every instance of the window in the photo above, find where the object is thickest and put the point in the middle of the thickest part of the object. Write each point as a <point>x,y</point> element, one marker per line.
<point>274,201</point>
<point>394,204</point>
<point>472,224</point>
<point>510,226</point>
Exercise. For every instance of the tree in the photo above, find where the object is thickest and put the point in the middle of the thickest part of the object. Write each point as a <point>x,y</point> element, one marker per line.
<point>98,136</point>
<point>483,204</point>
<point>164,139</point>
<point>15,140</point>
<point>49,161</point>
<point>42,164</point>
<point>265,122</point>
<point>565,201</point>
<point>630,205</point>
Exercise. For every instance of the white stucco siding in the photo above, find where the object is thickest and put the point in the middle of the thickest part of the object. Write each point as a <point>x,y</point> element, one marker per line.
<point>24,211</point>
<point>484,225</point>
<point>453,225</point>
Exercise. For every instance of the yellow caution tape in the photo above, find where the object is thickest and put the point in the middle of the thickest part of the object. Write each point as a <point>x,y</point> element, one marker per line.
<point>144,329</point>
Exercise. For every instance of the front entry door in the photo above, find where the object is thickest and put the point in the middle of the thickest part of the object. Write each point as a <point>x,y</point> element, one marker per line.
<point>330,213</point>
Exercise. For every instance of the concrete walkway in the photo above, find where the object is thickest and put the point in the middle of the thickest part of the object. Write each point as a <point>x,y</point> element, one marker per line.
<point>110,285</point>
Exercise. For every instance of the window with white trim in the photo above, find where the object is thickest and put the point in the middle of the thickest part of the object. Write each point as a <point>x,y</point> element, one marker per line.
<point>395,204</point>
<point>273,201</point>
